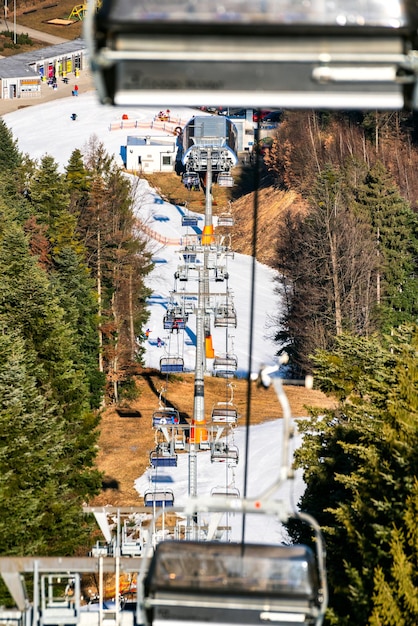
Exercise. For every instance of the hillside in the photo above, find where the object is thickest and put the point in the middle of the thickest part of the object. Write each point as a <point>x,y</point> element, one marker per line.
<point>272,203</point>
<point>271,206</point>
<point>125,441</point>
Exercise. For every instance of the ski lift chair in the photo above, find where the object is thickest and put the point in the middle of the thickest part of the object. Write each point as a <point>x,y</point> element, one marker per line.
<point>232,583</point>
<point>225,180</point>
<point>221,274</point>
<point>225,366</point>
<point>175,319</point>
<point>60,599</point>
<point>225,316</point>
<point>189,220</point>
<point>168,321</point>
<point>182,273</point>
<point>161,457</point>
<point>224,413</point>
<point>159,498</point>
<point>171,364</point>
<point>191,180</point>
<point>226,219</point>
<point>189,257</point>
<point>223,453</point>
<point>165,416</point>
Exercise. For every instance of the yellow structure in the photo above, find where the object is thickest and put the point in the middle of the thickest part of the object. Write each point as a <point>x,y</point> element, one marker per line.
<point>79,10</point>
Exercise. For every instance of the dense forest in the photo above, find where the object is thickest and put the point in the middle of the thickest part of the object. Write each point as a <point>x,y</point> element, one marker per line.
<point>348,263</point>
<point>348,272</point>
<point>72,306</point>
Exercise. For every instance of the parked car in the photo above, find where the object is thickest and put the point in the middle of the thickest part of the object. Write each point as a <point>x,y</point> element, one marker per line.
<point>272,119</point>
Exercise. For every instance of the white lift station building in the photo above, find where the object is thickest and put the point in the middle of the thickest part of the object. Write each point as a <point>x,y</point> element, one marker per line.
<point>149,154</point>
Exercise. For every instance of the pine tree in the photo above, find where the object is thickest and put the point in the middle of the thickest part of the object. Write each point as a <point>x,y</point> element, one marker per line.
<point>54,238</point>
<point>54,474</point>
<point>117,256</point>
<point>395,228</point>
<point>325,262</point>
<point>10,156</point>
<point>360,466</point>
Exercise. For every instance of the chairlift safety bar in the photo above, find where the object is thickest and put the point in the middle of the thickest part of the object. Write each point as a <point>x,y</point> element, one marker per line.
<point>275,53</point>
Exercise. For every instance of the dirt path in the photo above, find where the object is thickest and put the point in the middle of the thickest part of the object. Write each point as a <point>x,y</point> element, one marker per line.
<point>33,34</point>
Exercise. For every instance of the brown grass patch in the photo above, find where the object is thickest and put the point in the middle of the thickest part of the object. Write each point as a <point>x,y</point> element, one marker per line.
<point>125,442</point>
<point>42,16</point>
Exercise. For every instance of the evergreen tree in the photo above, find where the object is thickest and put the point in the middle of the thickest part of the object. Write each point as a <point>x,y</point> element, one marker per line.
<point>325,262</point>
<point>10,156</point>
<point>49,195</point>
<point>360,466</point>
<point>395,598</point>
<point>55,239</point>
<point>117,256</point>
<point>78,183</point>
<point>395,229</point>
<point>55,475</point>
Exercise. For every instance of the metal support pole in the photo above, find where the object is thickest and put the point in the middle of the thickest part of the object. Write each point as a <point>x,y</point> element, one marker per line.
<point>117,571</point>
<point>100,591</point>
<point>207,242</point>
<point>208,197</point>
<point>198,410</point>
<point>35,617</point>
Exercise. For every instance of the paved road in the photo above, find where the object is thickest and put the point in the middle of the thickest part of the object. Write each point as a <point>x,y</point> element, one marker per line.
<point>34,34</point>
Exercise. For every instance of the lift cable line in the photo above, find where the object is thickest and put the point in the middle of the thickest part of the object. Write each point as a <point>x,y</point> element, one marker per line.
<point>251,333</point>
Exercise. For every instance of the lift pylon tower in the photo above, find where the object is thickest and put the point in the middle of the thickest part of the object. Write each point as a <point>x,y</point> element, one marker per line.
<point>198,431</point>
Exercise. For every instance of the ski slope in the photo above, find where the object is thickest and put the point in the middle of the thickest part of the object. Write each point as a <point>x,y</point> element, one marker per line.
<point>48,129</point>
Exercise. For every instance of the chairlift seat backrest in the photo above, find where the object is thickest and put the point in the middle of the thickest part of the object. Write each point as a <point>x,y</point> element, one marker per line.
<point>174,321</point>
<point>189,258</point>
<point>189,220</point>
<point>232,583</point>
<point>166,416</point>
<point>225,316</point>
<point>222,452</point>
<point>171,364</point>
<point>159,498</point>
<point>229,361</point>
<point>227,415</point>
<point>226,219</point>
<point>159,459</point>
<point>191,179</point>
<point>182,274</point>
<point>225,180</point>
<point>225,366</point>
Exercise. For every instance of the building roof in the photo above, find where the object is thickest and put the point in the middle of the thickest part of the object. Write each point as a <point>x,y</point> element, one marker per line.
<point>21,65</point>
<point>135,140</point>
